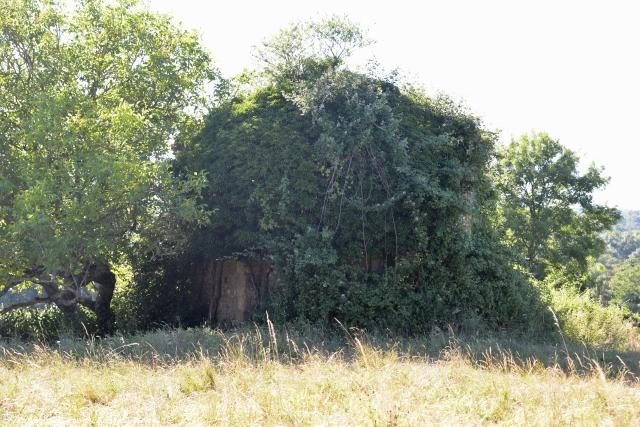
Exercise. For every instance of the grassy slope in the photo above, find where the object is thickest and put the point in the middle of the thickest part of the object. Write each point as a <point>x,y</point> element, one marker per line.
<point>264,377</point>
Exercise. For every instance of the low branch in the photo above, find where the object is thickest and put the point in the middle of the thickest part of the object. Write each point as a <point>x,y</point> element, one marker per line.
<point>31,279</point>
<point>23,304</point>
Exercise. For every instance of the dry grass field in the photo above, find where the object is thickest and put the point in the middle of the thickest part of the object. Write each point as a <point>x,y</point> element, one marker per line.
<point>281,378</point>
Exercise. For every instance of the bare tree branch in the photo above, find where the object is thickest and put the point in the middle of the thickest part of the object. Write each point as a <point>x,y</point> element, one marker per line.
<point>49,285</point>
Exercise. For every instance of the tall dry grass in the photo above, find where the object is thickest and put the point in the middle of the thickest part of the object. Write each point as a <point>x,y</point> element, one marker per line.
<point>305,376</point>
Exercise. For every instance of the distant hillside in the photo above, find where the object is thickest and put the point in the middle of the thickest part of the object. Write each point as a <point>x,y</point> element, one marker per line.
<point>630,221</point>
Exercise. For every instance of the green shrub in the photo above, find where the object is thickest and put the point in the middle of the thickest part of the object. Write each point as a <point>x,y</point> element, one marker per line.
<point>492,295</point>
<point>46,323</point>
<point>582,319</point>
<point>127,319</point>
<point>156,294</point>
<point>31,323</point>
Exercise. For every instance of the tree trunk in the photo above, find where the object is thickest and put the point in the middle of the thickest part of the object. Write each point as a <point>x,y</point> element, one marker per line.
<point>105,282</point>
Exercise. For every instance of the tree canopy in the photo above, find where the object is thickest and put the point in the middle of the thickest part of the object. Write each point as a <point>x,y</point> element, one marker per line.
<point>90,103</point>
<point>547,205</point>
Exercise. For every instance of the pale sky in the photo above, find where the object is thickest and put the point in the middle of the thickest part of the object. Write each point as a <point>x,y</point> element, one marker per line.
<point>570,68</point>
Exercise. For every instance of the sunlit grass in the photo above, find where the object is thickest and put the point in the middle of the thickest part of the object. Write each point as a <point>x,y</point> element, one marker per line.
<point>265,376</point>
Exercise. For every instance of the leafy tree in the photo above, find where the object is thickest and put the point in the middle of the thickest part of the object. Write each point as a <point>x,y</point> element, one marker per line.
<point>89,105</point>
<point>546,205</point>
<point>303,51</point>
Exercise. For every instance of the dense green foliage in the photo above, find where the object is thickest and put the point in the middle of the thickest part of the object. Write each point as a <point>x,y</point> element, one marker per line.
<point>89,103</point>
<point>547,206</point>
<point>622,245</point>
<point>375,204</point>
<point>369,198</point>
<point>625,284</point>
<point>47,323</point>
<point>615,276</point>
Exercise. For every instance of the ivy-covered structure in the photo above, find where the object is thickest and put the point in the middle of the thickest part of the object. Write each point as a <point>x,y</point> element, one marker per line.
<point>341,194</point>
<point>353,199</point>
